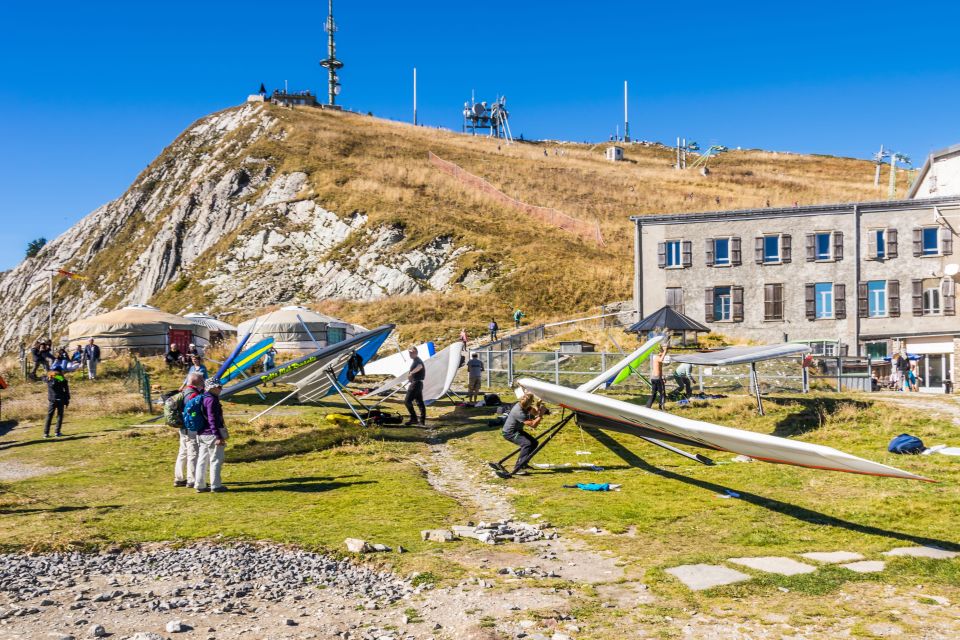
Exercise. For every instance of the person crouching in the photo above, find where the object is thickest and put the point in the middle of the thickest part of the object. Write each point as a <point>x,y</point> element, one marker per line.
<point>525,414</point>
<point>211,440</point>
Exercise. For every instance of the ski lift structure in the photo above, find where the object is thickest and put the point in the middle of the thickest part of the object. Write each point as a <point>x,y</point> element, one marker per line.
<point>494,119</point>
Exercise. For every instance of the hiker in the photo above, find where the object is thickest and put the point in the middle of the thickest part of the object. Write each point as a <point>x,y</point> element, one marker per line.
<point>173,357</point>
<point>524,414</point>
<point>211,439</point>
<point>415,389</point>
<point>656,377</point>
<point>474,369</point>
<point>58,396</point>
<point>493,327</point>
<point>518,315</point>
<point>463,337</point>
<point>684,378</point>
<point>91,357</point>
<point>186,464</point>
<point>198,367</point>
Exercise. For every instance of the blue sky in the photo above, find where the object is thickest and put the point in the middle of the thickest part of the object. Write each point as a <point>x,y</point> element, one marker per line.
<point>92,92</point>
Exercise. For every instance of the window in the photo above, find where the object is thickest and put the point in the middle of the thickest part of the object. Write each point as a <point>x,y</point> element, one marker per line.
<point>675,299</point>
<point>876,350</point>
<point>877,298</point>
<point>722,304</point>
<point>721,251</point>
<point>879,243</point>
<point>773,302</point>
<point>931,244</point>
<point>823,292</point>
<point>823,246</point>
<point>336,334</point>
<point>771,249</point>
<point>931,301</point>
<point>673,253</point>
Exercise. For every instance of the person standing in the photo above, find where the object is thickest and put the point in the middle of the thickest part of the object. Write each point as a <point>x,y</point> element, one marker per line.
<point>493,327</point>
<point>518,316</point>
<point>903,368</point>
<point>463,337</point>
<point>91,356</point>
<point>525,414</point>
<point>415,389</point>
<point>656,378</point>
<point>474,371</point>
<point>211,440</point>
<point>186,464</point>
<point>58,397</point>
<point>269,359</point>
<point>36,352</point>
<point>199,368</point>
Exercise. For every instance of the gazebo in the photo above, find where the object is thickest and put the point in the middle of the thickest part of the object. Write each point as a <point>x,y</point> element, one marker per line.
<point>666,318</point>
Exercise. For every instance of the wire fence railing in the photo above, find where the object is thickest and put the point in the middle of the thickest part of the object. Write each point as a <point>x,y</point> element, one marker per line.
<point>138,377</point>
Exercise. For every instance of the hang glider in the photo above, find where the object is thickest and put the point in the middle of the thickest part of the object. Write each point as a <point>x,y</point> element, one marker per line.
<point>246,359</point>
<point>615,415</point>
<point>440,370</point>
<point>622,369</point>
<point>398,363</point>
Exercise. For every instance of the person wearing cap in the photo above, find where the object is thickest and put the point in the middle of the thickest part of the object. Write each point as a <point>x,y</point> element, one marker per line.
<point>415,389</point>
<point>58,396</point>
<point>186,464</point>
<point>211,440</point>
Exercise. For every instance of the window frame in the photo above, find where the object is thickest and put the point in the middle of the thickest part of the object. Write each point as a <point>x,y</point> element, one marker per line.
<point>716,261</point>
<point>818,296</point>
<point>880,238</point>
<point>779,257</point>
<point>928,310</point>
<point>938,246</point>
<point>872,293</point>
<point>667,244</point>
<point>816,246</point>
<point>719,304</point>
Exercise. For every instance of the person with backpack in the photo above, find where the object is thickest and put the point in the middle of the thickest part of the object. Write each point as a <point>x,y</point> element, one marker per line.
<point>493,327</point>
<point>58,395</point>
<point>211,437</point>
<point>518,316</point>
<point>173,408</point>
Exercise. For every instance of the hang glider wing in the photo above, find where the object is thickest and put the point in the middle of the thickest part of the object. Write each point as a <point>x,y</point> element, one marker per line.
<point>742,355</point>
<point>616,415</point>
<point>623,369</point>
<point>398,363</point>
<point>440,371</point>
<point>246,359</point>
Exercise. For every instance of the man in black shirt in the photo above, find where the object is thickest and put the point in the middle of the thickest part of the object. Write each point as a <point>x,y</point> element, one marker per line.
<point>58,394</point>
<point>415,389</point>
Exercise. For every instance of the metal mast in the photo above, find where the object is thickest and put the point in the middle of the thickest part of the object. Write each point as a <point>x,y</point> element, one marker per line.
<point>331,63</point>
<point>626,118</point>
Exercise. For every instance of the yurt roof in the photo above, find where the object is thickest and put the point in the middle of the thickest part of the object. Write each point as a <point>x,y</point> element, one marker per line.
<point>287,316</point>
<point>132,320</point>
<point>208,321</point>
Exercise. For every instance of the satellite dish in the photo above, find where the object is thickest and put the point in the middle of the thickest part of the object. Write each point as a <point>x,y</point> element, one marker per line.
<point>952,269</point>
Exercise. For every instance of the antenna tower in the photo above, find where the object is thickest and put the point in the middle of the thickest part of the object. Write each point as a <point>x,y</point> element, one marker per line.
<point>331,64</point>
<point>626,119</point>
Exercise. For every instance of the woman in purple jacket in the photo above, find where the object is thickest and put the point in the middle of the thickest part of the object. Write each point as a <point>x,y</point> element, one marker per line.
<point>211,440</point>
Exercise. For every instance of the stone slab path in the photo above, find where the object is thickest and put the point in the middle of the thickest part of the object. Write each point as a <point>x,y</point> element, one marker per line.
<point>866,566</point>
<point>698,577</point>
<point>832,557</point>
<point>775,564</point>
<point>922,552</point>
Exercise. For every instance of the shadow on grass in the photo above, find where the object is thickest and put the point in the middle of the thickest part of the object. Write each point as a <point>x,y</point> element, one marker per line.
<point>247,483</point>
<point>26,443</point>
<point>6,426</point>
<point>61,509</point>
<point>306,442</point>
<point>812,414</point>
<point>296,485</point>
<point>785,508</point>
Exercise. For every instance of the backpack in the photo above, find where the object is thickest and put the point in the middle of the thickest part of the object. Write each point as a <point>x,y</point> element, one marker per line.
<point>491,400</point>
<point>173,410</point>
<point>905,443</point>
<point>194,417</point>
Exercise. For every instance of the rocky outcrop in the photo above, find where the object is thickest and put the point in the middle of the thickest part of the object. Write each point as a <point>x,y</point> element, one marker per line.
<point>208,208</point>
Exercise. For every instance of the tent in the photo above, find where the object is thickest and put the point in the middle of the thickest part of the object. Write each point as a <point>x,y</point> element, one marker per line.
<point>140,329</point>
<point>666,318</point>
<point>211,323</point>
<point>296,328</point>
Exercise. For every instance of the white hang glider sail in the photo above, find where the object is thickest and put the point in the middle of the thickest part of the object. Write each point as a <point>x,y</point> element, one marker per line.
<point>440,370</point>
<point>398,363</point>
<point>615,415</point>
<point>621,370</point>
<point>742,355</point>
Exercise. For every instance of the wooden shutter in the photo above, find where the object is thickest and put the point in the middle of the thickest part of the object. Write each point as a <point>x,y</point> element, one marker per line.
<point>917,297</point>
<point>709,252</point>
<point>737,295</point>
<point>948,291</point>
<point>758,250</point>
<point>893,298</point>
<point>946,241</point>
<point>736,255</point>
<point>863,303</point>
<point>811,247</point>
<point>871,245</point>
<point>708,305</point>
<point>838,245</point>
<point>662,254</point>
<point>687,247</point>
<point>786,248</point>
<point>811,299</point>
<point>891,243</point>
<point>840,301</point>
<point>768,302</point>
<point>917,241</point>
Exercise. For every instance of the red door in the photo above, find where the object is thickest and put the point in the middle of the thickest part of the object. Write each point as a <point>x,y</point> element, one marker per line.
<point>181,338</point>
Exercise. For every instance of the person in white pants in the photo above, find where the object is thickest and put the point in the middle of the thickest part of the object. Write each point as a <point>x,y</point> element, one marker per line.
<point>186,463</point>
<point>211,440</point>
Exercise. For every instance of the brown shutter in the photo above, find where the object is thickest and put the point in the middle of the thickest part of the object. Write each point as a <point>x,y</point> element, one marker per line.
<point>768,302</point>
<point>811,247</point>
<point>708,305</point>
<point>662,254</point>
<point>917,297</point>
<point>811,299</point>
<point>891,243</point>
<point>948,291</point>
<point>917,241</point>
<point>871,245</point>
<point>709,252</point>
<point>840,301</point>
<point>893,298</point>
<point>863,304</point>
<point>736,255</point>
<point>946,241</point>
<point>778,301</point>
<point>786,248</point>
<point>758,250</point>
<point>838,245</point>
<point>737,295</point>
<point>687,257</point>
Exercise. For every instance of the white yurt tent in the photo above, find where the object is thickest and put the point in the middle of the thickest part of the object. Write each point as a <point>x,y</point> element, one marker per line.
<point>213,325</point>
<point>140,329</point>
<point>290,334</point>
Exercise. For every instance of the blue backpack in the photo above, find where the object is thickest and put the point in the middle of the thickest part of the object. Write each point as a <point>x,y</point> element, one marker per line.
<point>905,443</point>
<point>194,417</point>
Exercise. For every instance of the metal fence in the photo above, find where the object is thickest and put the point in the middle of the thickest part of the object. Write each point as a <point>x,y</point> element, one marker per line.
<point>137,376</point>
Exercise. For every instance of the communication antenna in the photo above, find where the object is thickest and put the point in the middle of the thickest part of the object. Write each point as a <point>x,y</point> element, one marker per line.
<point>414,96</point>
<point>331,64</point>
<point>626,118</point>
<point>878,159</point>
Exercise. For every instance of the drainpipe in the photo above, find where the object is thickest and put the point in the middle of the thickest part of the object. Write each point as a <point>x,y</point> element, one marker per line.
<point>857,248</point>
<point>637,278</point>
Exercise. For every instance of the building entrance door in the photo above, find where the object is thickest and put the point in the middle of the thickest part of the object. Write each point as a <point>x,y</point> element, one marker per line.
<point>934,366</point>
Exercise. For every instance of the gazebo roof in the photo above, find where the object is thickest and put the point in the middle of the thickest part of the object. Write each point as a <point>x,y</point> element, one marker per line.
<point>667,318</point>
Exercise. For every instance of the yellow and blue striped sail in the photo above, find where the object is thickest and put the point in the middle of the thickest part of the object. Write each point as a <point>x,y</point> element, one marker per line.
<point>246,360</point>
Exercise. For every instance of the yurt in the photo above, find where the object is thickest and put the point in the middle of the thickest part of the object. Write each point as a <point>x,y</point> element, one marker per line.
<point>140,329</point>
<point>219,330</point>
<point>292,328</point>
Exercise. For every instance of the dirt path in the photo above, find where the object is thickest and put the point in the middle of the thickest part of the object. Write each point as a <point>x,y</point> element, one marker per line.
<point>938,405</point>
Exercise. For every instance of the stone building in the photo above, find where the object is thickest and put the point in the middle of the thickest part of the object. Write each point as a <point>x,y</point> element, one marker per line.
<point>863,278</point>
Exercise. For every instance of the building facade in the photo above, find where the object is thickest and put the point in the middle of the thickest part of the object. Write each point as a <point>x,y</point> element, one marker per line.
<point>865,278</point>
